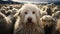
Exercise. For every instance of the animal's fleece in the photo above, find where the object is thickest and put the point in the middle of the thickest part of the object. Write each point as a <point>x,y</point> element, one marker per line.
<point>5,24</point>
<point>49,24</point>
<point>56,15</point>
<point>28,21</point>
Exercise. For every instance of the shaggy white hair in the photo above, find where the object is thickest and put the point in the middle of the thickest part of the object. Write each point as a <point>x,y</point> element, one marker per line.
<point>30,17</point>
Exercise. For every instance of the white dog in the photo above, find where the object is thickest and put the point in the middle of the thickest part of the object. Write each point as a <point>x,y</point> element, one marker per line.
<point>28,21</point>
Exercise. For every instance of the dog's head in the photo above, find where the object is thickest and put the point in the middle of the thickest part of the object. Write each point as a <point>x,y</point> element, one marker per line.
<point>29,13</point>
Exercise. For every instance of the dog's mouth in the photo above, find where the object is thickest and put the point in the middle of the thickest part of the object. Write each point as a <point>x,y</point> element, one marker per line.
<point>29,22</point>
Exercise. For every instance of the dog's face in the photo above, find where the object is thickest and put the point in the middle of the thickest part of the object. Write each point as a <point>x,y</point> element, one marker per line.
<point>29,13</point>
<point>30,16</point>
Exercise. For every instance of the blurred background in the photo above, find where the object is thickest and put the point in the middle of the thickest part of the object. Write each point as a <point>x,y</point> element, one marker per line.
<point>31,1</point>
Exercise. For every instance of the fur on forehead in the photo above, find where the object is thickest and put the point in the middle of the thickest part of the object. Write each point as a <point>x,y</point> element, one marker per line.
<point>29,7</point>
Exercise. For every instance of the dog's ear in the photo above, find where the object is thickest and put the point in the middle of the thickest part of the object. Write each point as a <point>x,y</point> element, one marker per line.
<point>18,24</point>
<point>38,19</point>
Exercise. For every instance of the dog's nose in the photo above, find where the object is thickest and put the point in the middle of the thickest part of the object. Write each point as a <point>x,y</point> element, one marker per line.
<point>29,19</point>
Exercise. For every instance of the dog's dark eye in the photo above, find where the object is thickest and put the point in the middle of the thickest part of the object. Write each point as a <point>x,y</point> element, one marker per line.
<point>33,12</point>
<point>25,12</point>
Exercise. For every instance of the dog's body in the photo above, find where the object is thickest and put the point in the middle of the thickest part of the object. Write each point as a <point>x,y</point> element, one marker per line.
<point>29,21</point>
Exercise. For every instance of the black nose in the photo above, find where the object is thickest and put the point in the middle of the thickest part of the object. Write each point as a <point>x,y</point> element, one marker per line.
<point>29,19</point>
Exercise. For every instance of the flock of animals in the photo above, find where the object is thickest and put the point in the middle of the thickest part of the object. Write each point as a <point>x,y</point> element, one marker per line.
<point>29,19</point>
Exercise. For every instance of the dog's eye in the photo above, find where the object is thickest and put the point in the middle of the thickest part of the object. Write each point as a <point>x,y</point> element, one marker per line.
<point>33,12</point>
<point>25,12</point>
